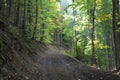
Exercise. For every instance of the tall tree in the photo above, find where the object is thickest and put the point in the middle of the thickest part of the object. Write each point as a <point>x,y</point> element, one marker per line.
<point>116,33</point>
<point>74,40</point>
<point>11,10</point>
<point>2,5</point>
<point>36,19</point>
<point>17,14</point>
<point>91,11</point>
<point>24,17</point>
<point>42,22</point>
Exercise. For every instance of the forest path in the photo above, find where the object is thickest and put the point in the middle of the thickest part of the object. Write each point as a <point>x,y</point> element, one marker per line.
<point>56,66</point>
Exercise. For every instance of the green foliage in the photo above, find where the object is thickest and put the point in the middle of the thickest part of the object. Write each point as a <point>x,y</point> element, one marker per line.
<point>14,31</point>
<point>67,32</point>
<point>118,30</point>
<point>47,37</point>
<point>73,22</point>
<point>83,27</point>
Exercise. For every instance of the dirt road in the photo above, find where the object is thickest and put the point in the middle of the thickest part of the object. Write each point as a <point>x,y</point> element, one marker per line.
<point>60,67</point>
<point>52,66</point>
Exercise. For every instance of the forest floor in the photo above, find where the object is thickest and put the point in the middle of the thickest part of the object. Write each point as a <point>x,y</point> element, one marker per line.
<point>27,60</point>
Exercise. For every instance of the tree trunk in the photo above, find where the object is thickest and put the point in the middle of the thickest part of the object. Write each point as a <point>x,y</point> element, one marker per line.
<point>18,13</point>
<point>11,10</point>
<point>36,20</point>
<point>24,19</point>
<point>109,50</point>
<point>42,24</point>
<point>116,34</point>
<point>2,5</point>
<point>29,18</point>
<point>92,21</point>
<point>30,11</point>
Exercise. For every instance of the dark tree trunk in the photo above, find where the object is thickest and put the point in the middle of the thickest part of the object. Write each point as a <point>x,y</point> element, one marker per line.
<point>74,41</point>
<point>29,18</point>
<point>2,5</point>
<point>42,24</point>
<point>61,37</point>
<point>42,33</point>
<point>18,13</point>
<point>36,20</point>
<point>109,50</point>
<point>11,10</point>
<point>92,21</point>
<point>116,34</point>
<point>24,19</point>
<point>30,11</point>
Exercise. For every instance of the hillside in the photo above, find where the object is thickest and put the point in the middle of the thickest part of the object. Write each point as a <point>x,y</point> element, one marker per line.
<point>22,59</point>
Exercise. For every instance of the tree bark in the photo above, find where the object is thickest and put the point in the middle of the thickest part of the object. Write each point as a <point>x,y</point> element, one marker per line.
<point>18,13</point>
<point>24,19</point>
<point>92,21</point>
<point>2,5</point>
<point>30,11</point>
<point>116,34</point>
<point>36,20</point>
<point>42,24</point>
<point>11,11</point>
